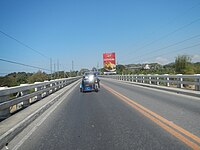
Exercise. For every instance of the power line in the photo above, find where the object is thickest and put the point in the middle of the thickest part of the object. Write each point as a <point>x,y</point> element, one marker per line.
<point>172,51</point>
<point>175,18</point>
<point>23,44</point>
<point>171,45</point>
<point>165,36</point>
<point>18,63</point>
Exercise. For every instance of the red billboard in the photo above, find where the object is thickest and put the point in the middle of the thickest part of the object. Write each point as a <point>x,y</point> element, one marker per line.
<point>109,62</point>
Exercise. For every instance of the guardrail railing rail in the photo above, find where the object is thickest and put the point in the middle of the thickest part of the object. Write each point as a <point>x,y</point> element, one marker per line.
<point>13,99</point>
<point>180,81</point>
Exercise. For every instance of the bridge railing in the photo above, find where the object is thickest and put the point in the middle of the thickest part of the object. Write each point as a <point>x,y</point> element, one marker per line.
<point>180,81</point>
<point>13,99</point>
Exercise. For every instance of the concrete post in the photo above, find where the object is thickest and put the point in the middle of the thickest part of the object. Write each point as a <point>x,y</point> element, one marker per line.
<point>157,79</point>
<point>47,86</point>
<point>197,86</point>
<point>39,97</point>
<point>167,78</point>
<point>26,103</point>
<point>3,98</point>
<point>149,79</point>
<point>53,87</point>
<point>179,81</point>
<point>143,79</point>
<point>5,112</point>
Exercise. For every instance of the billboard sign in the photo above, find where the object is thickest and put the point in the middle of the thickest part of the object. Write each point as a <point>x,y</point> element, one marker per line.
<point>109,63</point>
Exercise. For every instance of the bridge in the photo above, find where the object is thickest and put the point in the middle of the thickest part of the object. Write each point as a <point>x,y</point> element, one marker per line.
<point>129,112</point>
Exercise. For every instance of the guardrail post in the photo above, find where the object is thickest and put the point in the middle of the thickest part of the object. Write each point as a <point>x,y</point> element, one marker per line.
<point>142,78</point>
<point>167,78</point>
<point>131,78</point>
<point>4,98</point>
<point>197,86</point>
<point>47,86</point>
<point>5,112</point>
<point>157,79</point>
<point>139,78</point>
<point>149,79</point>
<point>39,96</point>
<point>26,102</point>
<point>143,81</point>
<point>179,81</point>
<point>51,89</point>
<point>136,78</point>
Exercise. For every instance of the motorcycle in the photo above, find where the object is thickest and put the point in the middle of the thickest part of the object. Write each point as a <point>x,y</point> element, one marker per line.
<point>89,83</point>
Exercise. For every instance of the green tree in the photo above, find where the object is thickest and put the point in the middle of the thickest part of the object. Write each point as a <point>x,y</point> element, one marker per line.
<point>8,81</point>
<point>183,65</point>
<point>197,67</point>
<point>21,78</point>
<point>38,77</point>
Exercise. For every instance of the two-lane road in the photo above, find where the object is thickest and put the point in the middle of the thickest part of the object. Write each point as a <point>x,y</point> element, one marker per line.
<point>109,120</point>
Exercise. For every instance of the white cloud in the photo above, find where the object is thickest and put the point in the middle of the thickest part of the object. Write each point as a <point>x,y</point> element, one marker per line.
<point>162,60</point>
<point>196,58</point>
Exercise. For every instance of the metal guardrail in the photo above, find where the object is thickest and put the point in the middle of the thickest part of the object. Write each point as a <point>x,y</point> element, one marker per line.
<point>16,98</point>
<point>179,80</point>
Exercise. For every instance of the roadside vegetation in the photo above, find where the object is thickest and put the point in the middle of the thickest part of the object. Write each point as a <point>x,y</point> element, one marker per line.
<point>17,78</point>
<point>182,65</point>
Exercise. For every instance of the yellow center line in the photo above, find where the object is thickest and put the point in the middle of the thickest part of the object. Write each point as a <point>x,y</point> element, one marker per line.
<point>162,122</point>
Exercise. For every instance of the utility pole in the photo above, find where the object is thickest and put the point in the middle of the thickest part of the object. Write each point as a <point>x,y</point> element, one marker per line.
<point>72,65</point>
<point>51,67</point>
<point>72,68</point>
<point>54,70</point>
<point>58,67</point>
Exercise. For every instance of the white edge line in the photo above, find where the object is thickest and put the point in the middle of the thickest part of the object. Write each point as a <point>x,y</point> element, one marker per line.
<point>40,122</point>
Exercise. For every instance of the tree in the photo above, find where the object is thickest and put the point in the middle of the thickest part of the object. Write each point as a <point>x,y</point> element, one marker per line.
<point>38,77</point>
<point>8,81</point>
<point>183,65</point>
<point>21,78</point>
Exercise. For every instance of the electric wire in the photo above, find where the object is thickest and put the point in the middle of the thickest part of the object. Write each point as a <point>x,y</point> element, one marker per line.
<point>22,64</point>
<point>23,44</point>
<point>148,58</point>
<point>171,45</point>
<point>175,18</point>
<point>165,36</point>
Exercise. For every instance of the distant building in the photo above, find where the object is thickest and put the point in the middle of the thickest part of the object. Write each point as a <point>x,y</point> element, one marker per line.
<point>146,67</point>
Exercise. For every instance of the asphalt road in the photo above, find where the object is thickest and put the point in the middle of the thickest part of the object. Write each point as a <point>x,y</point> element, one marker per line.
<point>103,121</point>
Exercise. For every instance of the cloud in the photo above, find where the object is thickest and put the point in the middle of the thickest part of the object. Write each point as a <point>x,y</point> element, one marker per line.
<point>196,58</point>
<point>162,60</point>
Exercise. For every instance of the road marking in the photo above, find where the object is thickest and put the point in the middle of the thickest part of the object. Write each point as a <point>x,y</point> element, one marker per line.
<point>154,89</point>
<point>19,144</point>
<point>162,122</point>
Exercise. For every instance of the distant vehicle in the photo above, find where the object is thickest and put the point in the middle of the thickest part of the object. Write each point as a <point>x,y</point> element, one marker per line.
<point>90,82</point>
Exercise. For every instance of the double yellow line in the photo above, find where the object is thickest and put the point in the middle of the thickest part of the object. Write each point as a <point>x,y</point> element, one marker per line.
<point>185,136</point>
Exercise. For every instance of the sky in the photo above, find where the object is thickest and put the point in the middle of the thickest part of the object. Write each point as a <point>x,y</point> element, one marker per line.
<point>142,31</point>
